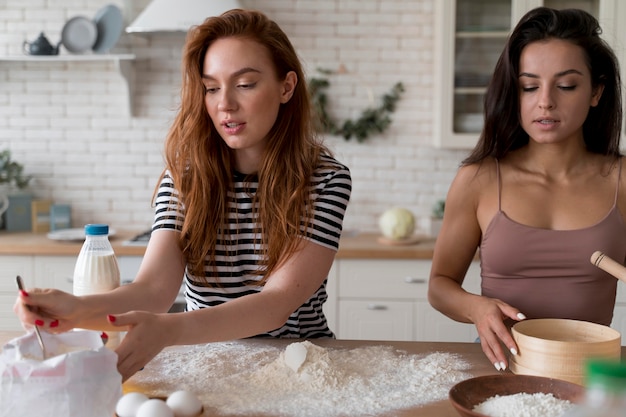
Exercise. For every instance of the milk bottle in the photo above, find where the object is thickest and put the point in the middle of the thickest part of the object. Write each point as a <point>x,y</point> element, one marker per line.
<point>96,269</point>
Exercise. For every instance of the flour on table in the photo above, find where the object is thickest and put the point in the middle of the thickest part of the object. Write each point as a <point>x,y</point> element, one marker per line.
<point>244,378</point>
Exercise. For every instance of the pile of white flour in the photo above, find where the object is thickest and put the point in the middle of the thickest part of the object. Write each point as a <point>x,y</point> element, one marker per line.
<point>524,405</point>
<point>245,378</point>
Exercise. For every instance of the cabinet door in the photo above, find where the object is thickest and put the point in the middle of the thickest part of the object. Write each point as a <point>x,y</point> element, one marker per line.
<point>11,266</point>
<point>376,320</point>
<point>55,272</point>
<point>471,37</point>
<point>433,326</point>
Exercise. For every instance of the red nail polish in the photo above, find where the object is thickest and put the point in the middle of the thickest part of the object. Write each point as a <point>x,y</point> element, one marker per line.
<point>111,318</point>
<point>104,337</point>
<point>39,322</point>
<point>24,293</point>
<point>54,323</point>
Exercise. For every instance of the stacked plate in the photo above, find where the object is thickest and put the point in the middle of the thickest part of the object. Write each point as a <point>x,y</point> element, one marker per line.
<point>81,34</point>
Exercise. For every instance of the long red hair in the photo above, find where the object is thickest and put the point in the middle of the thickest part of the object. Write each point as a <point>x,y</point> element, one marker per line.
<point>202,165</point>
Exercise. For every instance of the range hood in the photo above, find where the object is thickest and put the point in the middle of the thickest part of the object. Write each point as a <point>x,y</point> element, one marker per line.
<point>178,15</point>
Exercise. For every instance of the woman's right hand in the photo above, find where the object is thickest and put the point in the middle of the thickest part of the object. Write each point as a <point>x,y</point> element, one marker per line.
<point>54,310</point>
<point>488,315</point>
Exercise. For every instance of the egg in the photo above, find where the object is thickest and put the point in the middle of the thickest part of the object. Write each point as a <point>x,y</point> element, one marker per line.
<point>184,404</point>
<point>154,408</point>
<point>127,405</point>
<point>295,355</point>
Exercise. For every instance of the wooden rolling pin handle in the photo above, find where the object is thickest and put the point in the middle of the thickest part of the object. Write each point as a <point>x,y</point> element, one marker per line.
<point>609,265</point>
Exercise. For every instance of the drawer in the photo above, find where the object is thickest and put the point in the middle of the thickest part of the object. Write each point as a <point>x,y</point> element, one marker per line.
<point>401,279</point>
<point>376,320</point>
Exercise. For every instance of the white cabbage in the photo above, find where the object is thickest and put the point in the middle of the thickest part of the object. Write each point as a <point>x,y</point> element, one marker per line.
<point>397,223</point>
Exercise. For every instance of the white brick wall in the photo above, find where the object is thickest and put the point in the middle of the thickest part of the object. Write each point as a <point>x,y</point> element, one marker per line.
<point>68,121</point>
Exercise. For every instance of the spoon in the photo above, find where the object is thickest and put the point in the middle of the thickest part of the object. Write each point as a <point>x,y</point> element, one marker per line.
<point>20,285</point>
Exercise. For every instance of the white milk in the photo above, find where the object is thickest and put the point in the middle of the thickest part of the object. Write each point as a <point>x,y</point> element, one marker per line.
<point>97,271</point>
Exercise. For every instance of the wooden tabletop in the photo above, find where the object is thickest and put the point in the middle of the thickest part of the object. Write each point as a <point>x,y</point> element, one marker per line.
<point>353,246</point>
<point>470,352</point>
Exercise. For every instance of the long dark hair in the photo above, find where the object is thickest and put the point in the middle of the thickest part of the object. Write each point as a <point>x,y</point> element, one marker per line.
<point>503,132</point>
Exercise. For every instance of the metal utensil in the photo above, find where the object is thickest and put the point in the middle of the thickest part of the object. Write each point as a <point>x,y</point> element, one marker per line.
<point>20,285</point>
<point>609,265</point>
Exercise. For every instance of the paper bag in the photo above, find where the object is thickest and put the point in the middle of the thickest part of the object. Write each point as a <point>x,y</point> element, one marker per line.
<point>79,378</point>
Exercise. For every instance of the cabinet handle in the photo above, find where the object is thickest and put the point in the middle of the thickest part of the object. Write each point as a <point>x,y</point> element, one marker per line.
<point>413,280</point>
<point>376,307</point>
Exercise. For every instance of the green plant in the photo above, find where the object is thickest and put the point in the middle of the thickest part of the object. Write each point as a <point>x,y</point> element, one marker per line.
<point>438,208</point>
<point>11,172</point>
<point>371,119</point>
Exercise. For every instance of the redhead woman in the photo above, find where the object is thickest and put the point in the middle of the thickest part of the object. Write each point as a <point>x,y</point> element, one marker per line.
<point>248,211</point>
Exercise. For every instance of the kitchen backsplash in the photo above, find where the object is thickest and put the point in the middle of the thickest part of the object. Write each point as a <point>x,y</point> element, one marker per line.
<point>69,122</point>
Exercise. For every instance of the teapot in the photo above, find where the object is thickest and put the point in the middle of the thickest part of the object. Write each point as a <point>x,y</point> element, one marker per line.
<point>40,46</point>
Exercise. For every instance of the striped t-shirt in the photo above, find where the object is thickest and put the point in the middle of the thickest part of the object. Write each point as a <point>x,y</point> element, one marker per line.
<point>238,257</point>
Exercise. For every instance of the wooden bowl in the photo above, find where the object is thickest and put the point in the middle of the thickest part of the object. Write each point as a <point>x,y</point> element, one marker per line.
<point>559,348</point>
<point>467,394</point>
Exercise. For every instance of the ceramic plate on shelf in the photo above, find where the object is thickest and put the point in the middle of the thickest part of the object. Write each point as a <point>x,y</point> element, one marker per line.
<point>109,22</point>
<point>72,235</point>
<point>79,34</point>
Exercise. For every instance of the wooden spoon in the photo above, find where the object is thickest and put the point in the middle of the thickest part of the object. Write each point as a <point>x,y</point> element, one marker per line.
<point>609,265</point>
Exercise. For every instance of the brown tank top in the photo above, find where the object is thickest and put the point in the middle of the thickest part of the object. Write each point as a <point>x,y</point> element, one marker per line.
<point>547,273</point>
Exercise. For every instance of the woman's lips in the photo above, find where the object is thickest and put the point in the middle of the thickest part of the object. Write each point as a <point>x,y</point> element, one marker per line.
<point>546,123</point>
<point>233,128</point>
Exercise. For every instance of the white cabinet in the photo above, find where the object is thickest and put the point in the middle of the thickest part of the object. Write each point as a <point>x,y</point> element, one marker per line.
<point>11,267</point>
<point>619,314</point>
<point>471,36</point>
<point>381,299</point>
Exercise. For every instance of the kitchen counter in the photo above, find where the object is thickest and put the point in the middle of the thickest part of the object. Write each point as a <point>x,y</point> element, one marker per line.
<point>26,243</point>
<point>470,352</point>
<point>352,245</point>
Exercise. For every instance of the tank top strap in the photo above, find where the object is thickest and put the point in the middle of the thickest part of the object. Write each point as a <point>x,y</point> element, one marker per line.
<point>619,176</point>
<point>499,184</point>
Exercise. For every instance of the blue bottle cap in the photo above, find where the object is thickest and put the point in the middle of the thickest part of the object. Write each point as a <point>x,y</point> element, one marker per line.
<point>96,229</point>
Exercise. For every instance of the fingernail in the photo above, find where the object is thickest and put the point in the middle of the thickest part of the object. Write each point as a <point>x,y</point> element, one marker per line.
<point>514,351</point>
<point>497,365</point>
<point>502,366</point>
<point>111,318</point>
<point>521,316</point>
<point>54,323</point>
<point>24,293</point>
<point>39,322</point>
<point>104,337</point>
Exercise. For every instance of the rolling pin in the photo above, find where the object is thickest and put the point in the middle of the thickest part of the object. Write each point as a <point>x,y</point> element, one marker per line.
<point>607,264</point>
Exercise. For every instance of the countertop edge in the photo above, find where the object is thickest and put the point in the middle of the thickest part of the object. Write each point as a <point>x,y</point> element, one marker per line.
<point>351,246</point>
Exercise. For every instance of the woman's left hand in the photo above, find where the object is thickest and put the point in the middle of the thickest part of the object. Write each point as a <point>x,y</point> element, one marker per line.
<point>148,334</point>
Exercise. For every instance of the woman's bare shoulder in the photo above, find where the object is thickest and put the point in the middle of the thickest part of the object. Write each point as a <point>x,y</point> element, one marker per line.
<point>477,175</point>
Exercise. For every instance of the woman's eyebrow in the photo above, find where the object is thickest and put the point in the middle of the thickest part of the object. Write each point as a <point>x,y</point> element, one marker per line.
<point>558,74</point>
<point>237,73</point>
